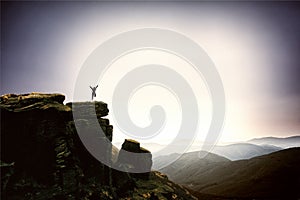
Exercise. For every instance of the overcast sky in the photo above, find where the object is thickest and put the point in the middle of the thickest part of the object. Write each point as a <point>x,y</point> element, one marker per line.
<point>255,47</point>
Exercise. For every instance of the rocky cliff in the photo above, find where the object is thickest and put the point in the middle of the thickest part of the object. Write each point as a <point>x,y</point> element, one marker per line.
<point>42,156</point>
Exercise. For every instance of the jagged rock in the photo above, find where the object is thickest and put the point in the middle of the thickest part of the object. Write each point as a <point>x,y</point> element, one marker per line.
<point>158,186</point>
<point>43,158</point>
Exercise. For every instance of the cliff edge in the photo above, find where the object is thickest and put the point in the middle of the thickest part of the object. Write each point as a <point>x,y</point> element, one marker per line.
<point>42,156</point>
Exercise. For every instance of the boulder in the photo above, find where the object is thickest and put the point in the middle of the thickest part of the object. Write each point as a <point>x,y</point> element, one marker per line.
<point>138,162</point>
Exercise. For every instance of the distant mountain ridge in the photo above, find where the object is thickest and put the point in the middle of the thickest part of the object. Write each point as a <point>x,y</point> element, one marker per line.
<point>240,151</point>
<point>287,142</point>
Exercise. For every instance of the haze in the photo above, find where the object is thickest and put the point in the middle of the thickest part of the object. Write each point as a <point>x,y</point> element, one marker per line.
<point>254,46</point>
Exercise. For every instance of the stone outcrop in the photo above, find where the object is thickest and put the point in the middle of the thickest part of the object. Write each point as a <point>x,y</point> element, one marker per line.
<point>42,156</point>
<point>143,162</point>
<point>39,136</point>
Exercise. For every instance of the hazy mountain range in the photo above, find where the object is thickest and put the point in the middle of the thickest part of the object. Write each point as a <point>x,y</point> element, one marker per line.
<point>272,176</point>
<point>237,151</point>
<point>287,142</point>
<point>263,168</point>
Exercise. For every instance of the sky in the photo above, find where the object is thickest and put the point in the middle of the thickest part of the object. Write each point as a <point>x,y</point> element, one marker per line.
<point>254,45</point>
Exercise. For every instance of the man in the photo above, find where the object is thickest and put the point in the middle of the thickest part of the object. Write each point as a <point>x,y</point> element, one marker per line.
<point>93,91</point>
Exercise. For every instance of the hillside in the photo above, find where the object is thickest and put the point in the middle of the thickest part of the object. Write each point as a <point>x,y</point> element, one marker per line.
<point>272,176</point>
<point>191,165</point>
<point>43,158</point>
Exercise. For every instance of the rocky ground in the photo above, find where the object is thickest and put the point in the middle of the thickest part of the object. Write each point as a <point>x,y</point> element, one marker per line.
<point>42,156</point>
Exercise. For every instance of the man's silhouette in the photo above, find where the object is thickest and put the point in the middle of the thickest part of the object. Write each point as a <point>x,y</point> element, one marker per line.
<point>93,91</point>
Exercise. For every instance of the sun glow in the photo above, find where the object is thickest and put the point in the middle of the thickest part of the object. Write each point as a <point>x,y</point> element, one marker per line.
<point>239,47</point>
